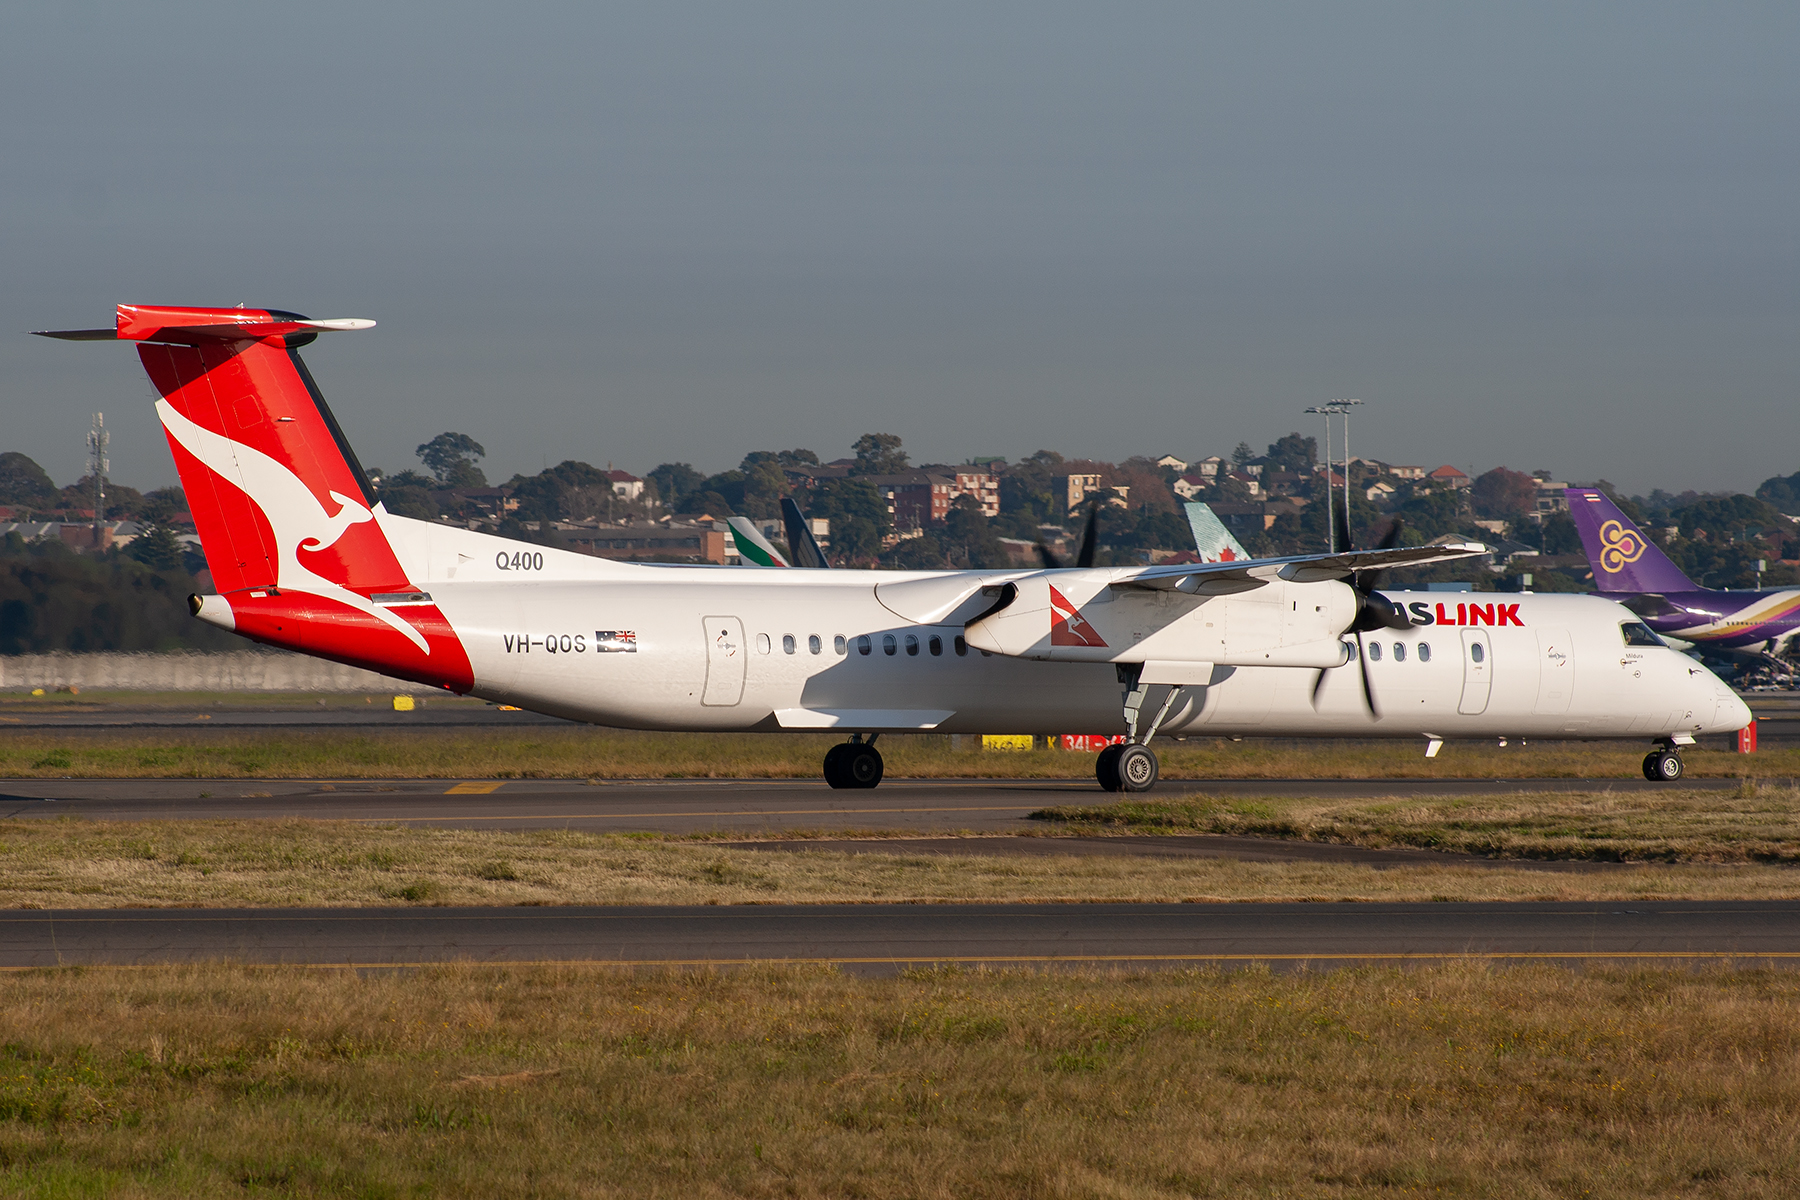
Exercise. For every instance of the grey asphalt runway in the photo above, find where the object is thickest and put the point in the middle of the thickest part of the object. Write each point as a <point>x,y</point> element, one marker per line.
<point>881,938</point>
<point>681,806</point>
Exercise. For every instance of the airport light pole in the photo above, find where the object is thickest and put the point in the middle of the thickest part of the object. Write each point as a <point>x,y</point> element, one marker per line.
<point>1330,409</point>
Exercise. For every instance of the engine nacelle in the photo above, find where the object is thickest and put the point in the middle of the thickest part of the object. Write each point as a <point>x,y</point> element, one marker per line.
<point>1279,624</point>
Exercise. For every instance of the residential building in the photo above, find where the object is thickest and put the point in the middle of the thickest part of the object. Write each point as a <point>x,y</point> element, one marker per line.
<point>1449,477</point>
<point>625,484</point>
<point>1191,485</point>
<point>1407,472</point>
<point>916,499</point>
<point>1208,467</point>
<point>1550,497</point>
<point>1076,486</point>
<point>1380,492</point>
<point>1170,462</point>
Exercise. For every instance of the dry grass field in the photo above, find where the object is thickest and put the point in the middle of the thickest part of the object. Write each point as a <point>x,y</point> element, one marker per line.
<point>1693,844</point>
<point>1461,1080</point>
<point>1752,823</point>
<point>575,752</point>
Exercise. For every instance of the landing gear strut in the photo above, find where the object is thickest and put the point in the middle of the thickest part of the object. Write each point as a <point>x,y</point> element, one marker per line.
<point>854,764</point>
<point>1663,764</point>
<point>1132,767</point>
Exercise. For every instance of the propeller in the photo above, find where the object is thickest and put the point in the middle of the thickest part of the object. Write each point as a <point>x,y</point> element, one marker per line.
<point>1090,538</point>
<point>1373,610</point>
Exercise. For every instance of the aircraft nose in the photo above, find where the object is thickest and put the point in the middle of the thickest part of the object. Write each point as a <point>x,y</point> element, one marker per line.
<point>1730,713</point>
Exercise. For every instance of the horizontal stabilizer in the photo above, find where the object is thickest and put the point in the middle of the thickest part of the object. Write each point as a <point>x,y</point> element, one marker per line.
<point>196,326</point>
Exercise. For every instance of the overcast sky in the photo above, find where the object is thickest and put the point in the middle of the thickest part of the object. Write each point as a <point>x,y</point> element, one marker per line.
<point>1537,235</point>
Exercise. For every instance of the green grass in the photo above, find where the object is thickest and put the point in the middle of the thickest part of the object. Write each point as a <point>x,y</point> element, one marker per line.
<point>1459,1080</point>
<point>580,752</point>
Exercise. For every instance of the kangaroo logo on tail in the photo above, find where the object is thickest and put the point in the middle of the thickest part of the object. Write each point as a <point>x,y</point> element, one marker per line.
<point>294,513</point>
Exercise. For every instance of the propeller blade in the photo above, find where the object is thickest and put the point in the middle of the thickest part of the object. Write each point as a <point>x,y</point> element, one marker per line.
<point>1368,689</point>
<point>1317,687</point>
<point>1370,581</point>
<point>1090,538</point>
<point>1051,562</point>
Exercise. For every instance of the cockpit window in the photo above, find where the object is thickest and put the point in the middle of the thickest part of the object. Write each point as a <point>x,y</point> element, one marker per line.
<point>1639,634</point>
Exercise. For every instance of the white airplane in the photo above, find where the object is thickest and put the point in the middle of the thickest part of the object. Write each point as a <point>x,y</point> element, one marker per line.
<point>304,556</point>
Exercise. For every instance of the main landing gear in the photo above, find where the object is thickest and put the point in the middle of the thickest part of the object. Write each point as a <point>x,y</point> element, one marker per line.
<point>1132,767</point>
<point>1664,763</point>
<point>854,764</point>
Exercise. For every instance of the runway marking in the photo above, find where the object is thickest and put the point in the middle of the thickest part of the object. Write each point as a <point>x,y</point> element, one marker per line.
<point>1398,956</point>
<point>754,812</point>
<point>475,788</point>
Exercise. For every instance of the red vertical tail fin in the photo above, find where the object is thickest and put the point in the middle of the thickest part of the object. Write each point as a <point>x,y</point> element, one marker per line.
<point>286,517</point>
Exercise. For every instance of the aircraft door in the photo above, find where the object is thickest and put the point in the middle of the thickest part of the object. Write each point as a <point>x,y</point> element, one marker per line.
<point>1478,672</point>
<point>726,657</point>
<point>1556,671</point>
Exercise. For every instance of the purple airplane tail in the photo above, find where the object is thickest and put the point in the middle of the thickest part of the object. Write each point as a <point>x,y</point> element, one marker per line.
<point>1624,560</point>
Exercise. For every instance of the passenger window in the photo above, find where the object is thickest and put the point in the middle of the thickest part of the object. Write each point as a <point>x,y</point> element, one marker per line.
<point>912,645</point>
<point>1399,651</point>
<point>1375,651</point>
<point>787,643</point>
<point>815,645</point>
<point>888,645</point>
<point>1637,633</point>
<point>1424,651</point>
<point>1477,652</point>
<point>863,644</point>
<point>838,644</point>
<point>935,645</point>
<point>962,647</point>
<point>762,643</point>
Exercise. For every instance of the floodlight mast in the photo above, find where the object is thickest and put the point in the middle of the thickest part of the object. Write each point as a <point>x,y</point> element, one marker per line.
<point>1337,408</point>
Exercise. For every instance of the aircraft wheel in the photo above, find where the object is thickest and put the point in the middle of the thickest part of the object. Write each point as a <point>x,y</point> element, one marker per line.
<point>862,765</point>
<point>834,766</point>
<point>1138,768</point>
<point>1650,764</point>
<point>1668,765</point>
<point>1106,769</point>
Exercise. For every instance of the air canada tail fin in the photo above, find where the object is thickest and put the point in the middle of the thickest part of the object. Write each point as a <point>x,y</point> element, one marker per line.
<point>1623,559</point>
<point>1212,540</point>
<point>285,514</point>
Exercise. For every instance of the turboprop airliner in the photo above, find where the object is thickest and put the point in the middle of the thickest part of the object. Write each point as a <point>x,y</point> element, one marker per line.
<point>304,556</point>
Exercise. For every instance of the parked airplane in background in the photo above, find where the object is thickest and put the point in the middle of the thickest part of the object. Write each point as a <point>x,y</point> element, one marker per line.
<point>1630,567</point>
<point>304,555</point>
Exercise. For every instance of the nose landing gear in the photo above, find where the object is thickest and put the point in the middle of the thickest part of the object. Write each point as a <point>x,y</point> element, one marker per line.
<point>854,764</point>
<point>1132,767</point>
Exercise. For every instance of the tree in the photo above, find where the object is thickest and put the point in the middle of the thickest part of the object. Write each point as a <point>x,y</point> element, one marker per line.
<point>156,548</point>
<point>450,458</point>
<point>968,539</point>
<point>798,458</point>
<point>1783,491</point>
<point>878,454</point>
<point>858,515</point>
<point>23,483</point>
<point>673,482</point>
<point>1504,494</point>
<point>1242,454</point>
<point>1294,453</point>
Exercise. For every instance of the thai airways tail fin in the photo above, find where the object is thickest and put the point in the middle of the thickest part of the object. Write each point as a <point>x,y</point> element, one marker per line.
<point>286,516</point>
<point>1623,559</point>
<point>1212,541</point>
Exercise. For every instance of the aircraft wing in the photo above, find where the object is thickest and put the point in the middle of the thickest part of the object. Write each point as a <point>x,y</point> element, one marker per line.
<point>965,596</point>
<point>1221,578</point>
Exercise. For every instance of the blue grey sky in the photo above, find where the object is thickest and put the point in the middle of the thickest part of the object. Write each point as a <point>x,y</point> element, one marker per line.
<point>1537,235</point>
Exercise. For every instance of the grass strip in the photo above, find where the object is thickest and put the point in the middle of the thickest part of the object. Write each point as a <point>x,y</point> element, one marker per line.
<point>1465,1080</point>
<point>70,863</point>
<point>579,752</point>
<point>1754,823</point>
